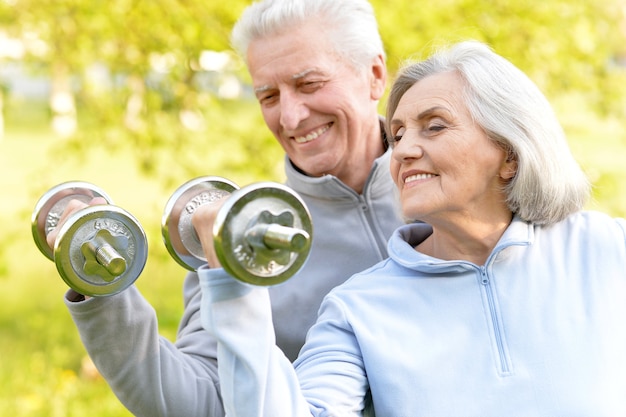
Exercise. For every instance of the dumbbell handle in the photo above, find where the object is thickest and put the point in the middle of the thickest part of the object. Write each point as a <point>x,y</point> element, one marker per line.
<point>111,259</point>
<point>275,236</point>
<point>106,256</point>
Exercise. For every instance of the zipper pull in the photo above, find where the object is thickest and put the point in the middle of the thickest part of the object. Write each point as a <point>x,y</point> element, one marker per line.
<point>485,279</point>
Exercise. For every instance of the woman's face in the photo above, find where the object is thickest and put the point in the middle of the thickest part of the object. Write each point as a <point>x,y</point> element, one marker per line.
<point>445,167</point>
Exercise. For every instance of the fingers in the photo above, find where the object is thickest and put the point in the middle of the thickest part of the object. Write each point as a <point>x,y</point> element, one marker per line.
<point>203,220</point>
<point>72,207</point>
<point>97,200</point>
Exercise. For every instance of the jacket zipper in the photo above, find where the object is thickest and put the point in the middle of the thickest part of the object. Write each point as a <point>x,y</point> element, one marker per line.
<point>494,314</point>
<point>381,244</point>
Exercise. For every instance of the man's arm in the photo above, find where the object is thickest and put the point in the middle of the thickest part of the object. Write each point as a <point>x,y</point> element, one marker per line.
<point>149,374</point>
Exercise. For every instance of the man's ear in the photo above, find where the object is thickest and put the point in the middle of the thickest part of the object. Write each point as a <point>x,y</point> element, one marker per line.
<point>378,75</point>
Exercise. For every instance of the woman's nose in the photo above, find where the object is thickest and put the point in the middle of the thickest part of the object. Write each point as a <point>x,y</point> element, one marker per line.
<point>407,148</point>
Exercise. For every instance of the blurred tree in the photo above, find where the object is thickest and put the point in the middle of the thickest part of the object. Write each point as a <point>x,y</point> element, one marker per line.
<point>562,45</point>
<point>160,77</point>
<point>139,74</point>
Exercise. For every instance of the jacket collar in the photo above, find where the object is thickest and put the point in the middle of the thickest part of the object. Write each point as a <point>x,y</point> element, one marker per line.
<point>405,238</point>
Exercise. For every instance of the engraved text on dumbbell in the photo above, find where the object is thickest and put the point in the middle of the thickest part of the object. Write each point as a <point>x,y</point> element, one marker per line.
<point>52,220</point>
<point>204,198</point>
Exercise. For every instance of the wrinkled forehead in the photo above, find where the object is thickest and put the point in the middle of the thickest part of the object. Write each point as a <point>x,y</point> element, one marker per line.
<point>440,88</point>
<point>288,57</point>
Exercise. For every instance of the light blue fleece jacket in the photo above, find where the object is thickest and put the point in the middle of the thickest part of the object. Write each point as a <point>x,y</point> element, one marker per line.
<point>539,330</point>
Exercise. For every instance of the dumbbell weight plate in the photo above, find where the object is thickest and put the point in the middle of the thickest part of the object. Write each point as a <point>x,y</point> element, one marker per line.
<point>129,241</point>
<point>178,233</point>
<point>50,206</point>
<point>244,209</point>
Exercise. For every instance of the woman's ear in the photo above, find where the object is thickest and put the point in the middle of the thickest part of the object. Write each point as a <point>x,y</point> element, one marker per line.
<point>509,166</point>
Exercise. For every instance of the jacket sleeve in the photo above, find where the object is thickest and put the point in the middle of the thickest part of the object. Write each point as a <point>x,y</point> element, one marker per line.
<point>330,366</point>
<point>256,378</point>
<point>149,374</point>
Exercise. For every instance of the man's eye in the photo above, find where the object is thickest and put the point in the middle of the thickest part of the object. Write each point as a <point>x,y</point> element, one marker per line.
<point>267,99</point>
<point>310,86</point>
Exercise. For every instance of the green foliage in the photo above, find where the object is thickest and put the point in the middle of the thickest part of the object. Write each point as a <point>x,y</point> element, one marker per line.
<point>127,40</point>
<point>562,45</point>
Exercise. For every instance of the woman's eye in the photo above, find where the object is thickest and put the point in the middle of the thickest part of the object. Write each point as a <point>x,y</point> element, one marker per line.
<point>395,137</point>
<point>436,127</point>
<point>436,124</point>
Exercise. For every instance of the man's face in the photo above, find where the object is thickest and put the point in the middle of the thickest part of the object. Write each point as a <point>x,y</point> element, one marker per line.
<point>318,106</point>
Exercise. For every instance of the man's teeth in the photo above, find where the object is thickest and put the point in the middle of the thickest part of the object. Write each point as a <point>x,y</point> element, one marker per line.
<point>312,135</point>
<point>418,177</point>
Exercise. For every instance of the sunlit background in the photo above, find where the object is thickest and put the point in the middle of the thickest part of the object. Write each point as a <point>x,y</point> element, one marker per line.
<point>141,96</point>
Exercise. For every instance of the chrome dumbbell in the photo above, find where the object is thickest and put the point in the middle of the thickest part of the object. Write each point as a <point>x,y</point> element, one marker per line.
<point>100,250</point>
<point>262,233</point>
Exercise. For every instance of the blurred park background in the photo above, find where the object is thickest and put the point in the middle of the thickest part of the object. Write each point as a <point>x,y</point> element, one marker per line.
<point>139,96</point>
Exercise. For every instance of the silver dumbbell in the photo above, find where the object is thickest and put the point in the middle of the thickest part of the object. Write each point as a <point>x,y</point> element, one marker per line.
<point>100,250</point>
<point>262,233</point>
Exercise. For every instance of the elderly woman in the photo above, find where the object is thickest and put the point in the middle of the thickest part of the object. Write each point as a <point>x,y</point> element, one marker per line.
<point>509,300</point>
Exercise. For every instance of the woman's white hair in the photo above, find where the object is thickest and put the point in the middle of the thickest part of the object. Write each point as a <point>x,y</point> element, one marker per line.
<point>350,24</point>
<point>549,184</point>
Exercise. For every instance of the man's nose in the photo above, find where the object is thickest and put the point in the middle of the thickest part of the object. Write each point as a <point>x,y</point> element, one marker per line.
<point>292,111</point>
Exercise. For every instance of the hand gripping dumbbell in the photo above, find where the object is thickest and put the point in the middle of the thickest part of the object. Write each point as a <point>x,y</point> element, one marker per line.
<point>100,250</point>
<point>262,233</point>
